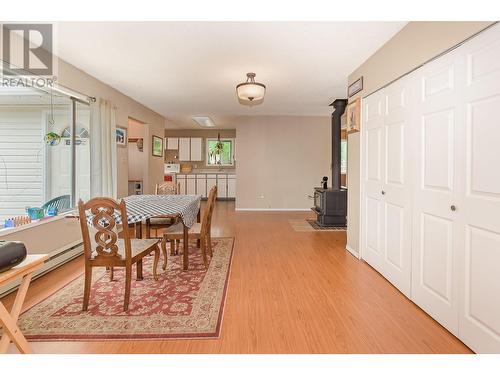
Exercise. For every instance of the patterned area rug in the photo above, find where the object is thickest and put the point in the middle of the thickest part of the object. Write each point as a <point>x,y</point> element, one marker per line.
<point>309,225</point>
<point>180,304</point>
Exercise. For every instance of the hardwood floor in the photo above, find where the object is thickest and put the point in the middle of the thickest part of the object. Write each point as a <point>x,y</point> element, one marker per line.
<point>289,292</point>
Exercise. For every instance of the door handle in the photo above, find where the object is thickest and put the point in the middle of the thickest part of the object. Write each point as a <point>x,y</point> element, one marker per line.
<point>453,207</point>
<point>382,192</point>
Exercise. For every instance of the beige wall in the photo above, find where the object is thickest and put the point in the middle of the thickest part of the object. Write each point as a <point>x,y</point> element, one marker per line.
<point>172,155</point>
<point>280,160</point>
<point>414,45</point>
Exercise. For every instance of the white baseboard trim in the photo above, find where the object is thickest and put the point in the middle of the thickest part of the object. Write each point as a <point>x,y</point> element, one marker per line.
<point>352,251</point>
<point>273,209</point>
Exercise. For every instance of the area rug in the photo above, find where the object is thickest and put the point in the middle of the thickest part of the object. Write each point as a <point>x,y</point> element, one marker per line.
<point>180,304</point>
<point>309,225</point>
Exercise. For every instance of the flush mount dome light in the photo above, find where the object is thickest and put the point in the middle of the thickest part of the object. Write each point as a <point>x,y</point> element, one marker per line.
<point>251,90</point>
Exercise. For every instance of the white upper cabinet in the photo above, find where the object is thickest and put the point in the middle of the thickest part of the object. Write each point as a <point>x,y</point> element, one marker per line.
<point>190,149</point>
<point>196,152</point>
<point>172,143</point>
<point>184,149</point>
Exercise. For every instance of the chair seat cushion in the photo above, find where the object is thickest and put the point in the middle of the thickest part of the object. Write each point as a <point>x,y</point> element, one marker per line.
<point>138,246</point>
<point>178,229</point>
<point>161,220</point>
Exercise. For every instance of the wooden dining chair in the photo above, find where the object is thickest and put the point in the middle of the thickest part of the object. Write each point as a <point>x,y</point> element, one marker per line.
<point>103,248</point>
<point>168,188</point>
<point>162,222</point>
<point>199,231</point>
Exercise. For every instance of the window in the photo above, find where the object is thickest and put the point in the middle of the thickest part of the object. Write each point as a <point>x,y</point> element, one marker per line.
<point>220,152</point>
<point>40,167</point>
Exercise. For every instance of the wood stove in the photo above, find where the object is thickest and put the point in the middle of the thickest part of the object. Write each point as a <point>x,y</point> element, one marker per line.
<point>330,205</point>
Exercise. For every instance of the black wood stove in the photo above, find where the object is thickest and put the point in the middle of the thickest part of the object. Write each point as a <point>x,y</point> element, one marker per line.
<point>330,205</point>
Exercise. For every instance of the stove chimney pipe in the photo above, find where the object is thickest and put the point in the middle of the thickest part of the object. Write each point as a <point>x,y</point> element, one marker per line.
<point>339,108</point>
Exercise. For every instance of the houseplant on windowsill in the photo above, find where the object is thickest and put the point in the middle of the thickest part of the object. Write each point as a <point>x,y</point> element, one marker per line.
<point>216,153</point>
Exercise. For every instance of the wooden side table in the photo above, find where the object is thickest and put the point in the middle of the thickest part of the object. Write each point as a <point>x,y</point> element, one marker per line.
<point>9,320</point>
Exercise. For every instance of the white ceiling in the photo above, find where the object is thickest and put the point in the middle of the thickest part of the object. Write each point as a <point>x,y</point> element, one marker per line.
<point>180,69</point>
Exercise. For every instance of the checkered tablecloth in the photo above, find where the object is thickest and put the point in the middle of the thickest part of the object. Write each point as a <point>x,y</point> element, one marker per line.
<point>142,207</point>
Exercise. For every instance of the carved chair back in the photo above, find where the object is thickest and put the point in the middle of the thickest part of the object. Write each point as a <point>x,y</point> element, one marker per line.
<point>167,188</point>
<point>100,239</point>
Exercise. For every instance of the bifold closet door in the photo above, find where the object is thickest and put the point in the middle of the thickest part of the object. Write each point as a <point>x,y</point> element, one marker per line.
<point>387,225</point>
<point>479,313</point>
<point>439,166</point>
<point>373,172</point>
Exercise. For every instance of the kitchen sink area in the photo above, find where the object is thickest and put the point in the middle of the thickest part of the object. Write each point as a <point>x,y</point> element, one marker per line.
<point>193,161</point>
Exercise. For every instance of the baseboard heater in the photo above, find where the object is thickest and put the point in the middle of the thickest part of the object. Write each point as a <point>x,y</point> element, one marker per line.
<point>57,258</point>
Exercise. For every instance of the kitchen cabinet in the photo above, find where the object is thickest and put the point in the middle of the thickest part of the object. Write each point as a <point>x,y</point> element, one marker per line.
<point>196,145</point>
<point>181,180</point>
<point>211,182</point>
<point>191,184</point>
<point>231,186</point>
<point>201,185</point>
<point>172,143</point>
<point>184,149</point>
<point>190,149</point>
<point>221,186</point>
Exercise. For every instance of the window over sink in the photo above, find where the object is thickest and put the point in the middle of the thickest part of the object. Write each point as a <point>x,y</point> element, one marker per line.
<point>219,152</point>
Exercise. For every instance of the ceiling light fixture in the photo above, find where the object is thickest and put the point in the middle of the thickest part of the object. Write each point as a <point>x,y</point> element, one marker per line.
<point>250,90</point>
<point>204,121</point>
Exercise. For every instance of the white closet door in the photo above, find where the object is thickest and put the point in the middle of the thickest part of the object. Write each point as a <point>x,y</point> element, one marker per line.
<point>373,172</point>
<point>396,193</point>
<point>436,231</point>
<point>479,310</point>
<point>387,196</point>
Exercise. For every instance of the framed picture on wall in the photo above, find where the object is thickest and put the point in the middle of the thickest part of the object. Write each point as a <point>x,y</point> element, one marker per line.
<point>121,136</point>
<point>157,148</point>
<point>355,87</point>
<point>353,116</point>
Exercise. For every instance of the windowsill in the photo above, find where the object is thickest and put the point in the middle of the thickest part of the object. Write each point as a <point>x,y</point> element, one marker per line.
<point>45,220</point>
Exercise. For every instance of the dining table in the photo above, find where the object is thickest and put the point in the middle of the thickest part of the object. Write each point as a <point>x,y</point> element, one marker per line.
<point>146,206</point>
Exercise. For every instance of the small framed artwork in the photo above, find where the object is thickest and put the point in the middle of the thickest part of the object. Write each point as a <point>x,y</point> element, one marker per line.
<point>353,116</point>
<point>121,136</point>
<point>157,148</point>
<point>355,87</point>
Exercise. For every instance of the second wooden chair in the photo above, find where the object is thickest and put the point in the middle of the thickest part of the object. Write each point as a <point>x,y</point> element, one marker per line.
<point>162,222</point>
<point>199,231</point>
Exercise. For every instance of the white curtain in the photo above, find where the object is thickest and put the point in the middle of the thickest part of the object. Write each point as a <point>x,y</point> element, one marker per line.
<point>103,180</point>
